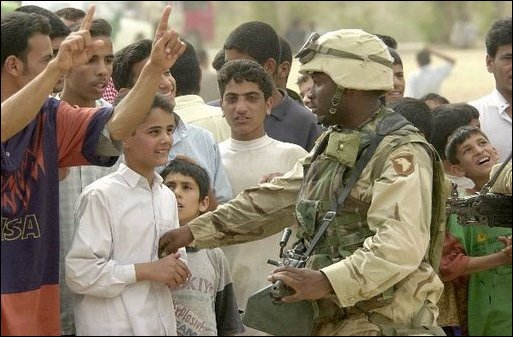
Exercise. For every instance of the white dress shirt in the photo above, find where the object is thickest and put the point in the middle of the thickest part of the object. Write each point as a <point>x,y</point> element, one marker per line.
<point>495,121</point>
<point>120,219</point>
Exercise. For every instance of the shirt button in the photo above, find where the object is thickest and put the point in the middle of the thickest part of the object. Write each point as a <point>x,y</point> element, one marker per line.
<point>7,154</point>
<point>341,147</point>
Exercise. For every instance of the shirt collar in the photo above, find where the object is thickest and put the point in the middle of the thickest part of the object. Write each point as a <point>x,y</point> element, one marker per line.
<point>499,100</point>
<point>133,178</point>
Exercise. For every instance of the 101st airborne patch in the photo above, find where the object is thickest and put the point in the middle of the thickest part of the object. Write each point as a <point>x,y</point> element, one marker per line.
<point>403,164</point>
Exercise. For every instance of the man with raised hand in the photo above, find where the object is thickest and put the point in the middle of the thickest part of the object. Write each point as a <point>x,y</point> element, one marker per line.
<point>48,134</point>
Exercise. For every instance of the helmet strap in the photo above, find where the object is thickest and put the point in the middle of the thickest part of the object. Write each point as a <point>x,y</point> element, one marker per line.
<point>335,100</point>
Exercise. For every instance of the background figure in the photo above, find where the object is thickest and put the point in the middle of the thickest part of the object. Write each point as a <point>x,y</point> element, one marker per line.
<point>284,66</point>
<point>189,104</point>
<point>495,108</point>
<point>289,120</point>
<point>433,100</point>
<point>59,32</point>
<point>388,40</point>
<point>305,84</point>
<point>70,16</point>
<point>399,85</point>
<point>417,112</point>
<point>206,304</point>
<point>208,85</point>
<point>428,78</point>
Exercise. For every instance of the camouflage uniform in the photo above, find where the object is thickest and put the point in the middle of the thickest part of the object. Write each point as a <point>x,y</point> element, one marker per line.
<point>503,183</point>
<point>381,220</point>
<point>374,253</point>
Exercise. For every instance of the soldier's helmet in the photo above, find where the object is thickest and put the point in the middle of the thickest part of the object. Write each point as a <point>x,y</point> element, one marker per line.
<point>353,58</point>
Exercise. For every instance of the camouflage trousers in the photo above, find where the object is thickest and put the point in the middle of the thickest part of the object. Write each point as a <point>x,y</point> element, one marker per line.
<point>352,325</point>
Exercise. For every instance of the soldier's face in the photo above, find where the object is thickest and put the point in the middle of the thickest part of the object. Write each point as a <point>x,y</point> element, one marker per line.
<point>321,95</point>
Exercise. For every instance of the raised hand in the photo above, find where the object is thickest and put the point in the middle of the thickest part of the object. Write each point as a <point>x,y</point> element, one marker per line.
<point>78,47</point>
<point>167,46</point>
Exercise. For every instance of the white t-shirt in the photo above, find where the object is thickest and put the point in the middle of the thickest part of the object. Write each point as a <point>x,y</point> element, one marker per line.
<point>245,163</point>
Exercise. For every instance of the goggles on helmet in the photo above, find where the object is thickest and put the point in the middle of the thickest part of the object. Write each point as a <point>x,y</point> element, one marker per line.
<point>310,48</point>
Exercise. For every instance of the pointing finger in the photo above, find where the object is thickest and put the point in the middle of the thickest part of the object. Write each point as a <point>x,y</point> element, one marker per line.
<point>88,19</point>
<point>163,21</point>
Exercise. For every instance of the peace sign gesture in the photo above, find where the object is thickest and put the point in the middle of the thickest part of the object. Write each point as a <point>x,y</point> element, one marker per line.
<point>167,46</point>
<point>78,47</point>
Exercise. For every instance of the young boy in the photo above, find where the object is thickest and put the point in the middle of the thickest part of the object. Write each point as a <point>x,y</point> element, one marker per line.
<point>206,304</point>
<point>123,287</point>
<point>478,250</point>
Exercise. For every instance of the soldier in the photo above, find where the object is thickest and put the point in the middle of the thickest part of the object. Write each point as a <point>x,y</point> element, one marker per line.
<point>370,271</point>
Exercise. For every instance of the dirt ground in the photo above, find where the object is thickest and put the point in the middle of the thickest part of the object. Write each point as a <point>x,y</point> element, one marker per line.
<point>469,78</point>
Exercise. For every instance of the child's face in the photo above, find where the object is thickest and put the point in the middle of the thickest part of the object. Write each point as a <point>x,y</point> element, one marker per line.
<point>476,157</point>
<point>149,146</point>
<point>187,196</point>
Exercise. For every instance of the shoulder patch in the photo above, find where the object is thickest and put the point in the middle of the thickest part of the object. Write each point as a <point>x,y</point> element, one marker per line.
<point>403,164</point>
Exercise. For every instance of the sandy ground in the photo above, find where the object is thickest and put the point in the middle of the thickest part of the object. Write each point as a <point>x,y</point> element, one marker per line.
<point>469,78</point>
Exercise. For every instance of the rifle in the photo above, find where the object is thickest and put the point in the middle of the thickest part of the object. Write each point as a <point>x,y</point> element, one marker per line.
<point>266,312</point>
<point>484,208</point>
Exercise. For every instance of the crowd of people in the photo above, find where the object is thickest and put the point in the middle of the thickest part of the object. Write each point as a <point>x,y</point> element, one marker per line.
<point>137,201</point>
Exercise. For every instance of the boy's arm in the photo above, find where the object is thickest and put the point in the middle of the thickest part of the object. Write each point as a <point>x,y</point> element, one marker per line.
<point>132,110</point>
<point>169,270</point>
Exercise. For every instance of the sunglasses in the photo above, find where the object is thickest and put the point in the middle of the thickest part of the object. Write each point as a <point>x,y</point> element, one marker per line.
<point>311,47</point>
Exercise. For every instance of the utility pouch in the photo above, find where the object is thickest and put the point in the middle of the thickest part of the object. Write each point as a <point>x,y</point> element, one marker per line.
<point>277,318</point>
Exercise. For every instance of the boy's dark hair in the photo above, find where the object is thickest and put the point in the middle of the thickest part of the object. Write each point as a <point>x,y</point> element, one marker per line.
<point>187,72</point>
<point>187,167</point>
<point>457,138</point>
<point>257,39</point>
<point>417,112</point>
<point>446,119</point>
<point>99,27</point>
<point>395,55</point>
<point>59,29</point>
<point>498,35</point>
<point>70,13</point>
<point>124,61</point>
<point>218,61</point>
<point>388,40</point>
<point>158,102</point>
<point>17,29</point>
<point>248,70</point>
<point>434,97</point>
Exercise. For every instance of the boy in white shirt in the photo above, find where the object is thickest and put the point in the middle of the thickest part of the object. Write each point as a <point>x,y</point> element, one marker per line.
<point>123,287</point>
